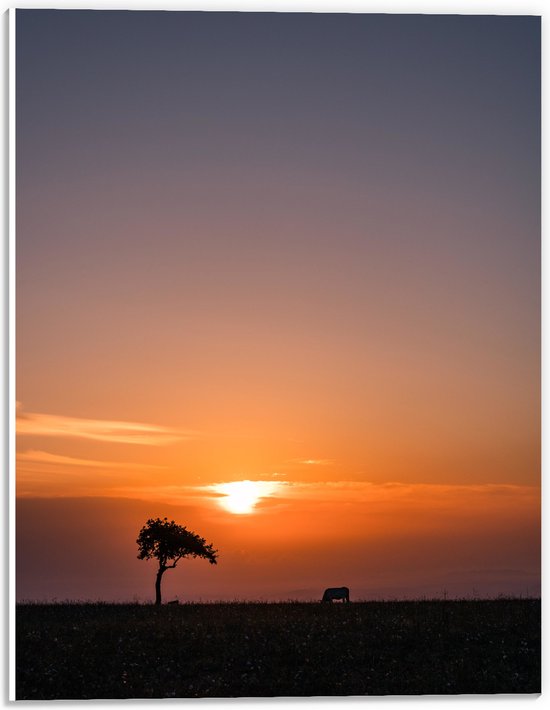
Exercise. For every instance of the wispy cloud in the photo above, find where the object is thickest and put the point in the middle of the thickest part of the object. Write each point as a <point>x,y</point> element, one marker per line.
<point>44,457</point>
<point>369,508</point>
<point>172,494</point>
<point>366,491</point>
<point>198,495</point>
<point>313,462</point>
<point>35,424</point>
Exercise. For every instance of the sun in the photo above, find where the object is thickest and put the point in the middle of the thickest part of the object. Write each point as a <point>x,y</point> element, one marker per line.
<point>240,497</point>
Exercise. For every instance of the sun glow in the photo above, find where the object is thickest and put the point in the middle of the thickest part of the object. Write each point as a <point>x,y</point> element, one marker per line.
<point>241,497</point>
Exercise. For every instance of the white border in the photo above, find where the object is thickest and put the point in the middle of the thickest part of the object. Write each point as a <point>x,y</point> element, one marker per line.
<point>11,350</point>
<point>468,7</point>
<point>472,7</point>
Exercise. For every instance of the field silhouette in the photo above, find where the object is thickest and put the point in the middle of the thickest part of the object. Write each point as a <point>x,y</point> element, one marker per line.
<point>240,649</point>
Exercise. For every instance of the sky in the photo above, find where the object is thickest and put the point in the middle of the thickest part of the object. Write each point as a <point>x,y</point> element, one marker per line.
<point>278,279</point>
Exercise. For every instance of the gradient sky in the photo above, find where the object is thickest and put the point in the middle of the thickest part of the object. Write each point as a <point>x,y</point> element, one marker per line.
<point>297,249</point>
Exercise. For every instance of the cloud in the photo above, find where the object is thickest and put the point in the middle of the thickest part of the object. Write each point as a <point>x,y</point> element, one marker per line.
<point>34,424</point>
<point>202,495</point>
<point>314,462</point>
<point>365,491</point>
<point>43,457</point>
<point>173,494</point>
<point>438,498</point>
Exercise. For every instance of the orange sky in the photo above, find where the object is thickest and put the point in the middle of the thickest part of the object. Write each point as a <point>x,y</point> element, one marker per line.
<point>303,526</point>
<point>317,269</point>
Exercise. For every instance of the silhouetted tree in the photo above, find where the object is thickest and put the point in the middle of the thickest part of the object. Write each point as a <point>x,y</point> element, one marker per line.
<point>169,543</point>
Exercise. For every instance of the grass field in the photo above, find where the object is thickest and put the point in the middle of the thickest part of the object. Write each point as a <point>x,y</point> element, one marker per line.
<point>269,649</point>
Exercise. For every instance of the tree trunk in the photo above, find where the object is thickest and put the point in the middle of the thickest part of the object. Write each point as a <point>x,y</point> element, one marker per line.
<point>158,598</point>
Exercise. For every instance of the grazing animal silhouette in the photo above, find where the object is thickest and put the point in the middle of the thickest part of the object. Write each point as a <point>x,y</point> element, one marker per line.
<point>174,602</point>
<point>336,593</point>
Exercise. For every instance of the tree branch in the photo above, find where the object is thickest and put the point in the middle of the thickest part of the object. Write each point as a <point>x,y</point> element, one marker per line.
<point>175,562</point>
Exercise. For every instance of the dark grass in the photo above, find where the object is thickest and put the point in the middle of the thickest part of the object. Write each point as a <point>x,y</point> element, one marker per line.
<point>78,651</point>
